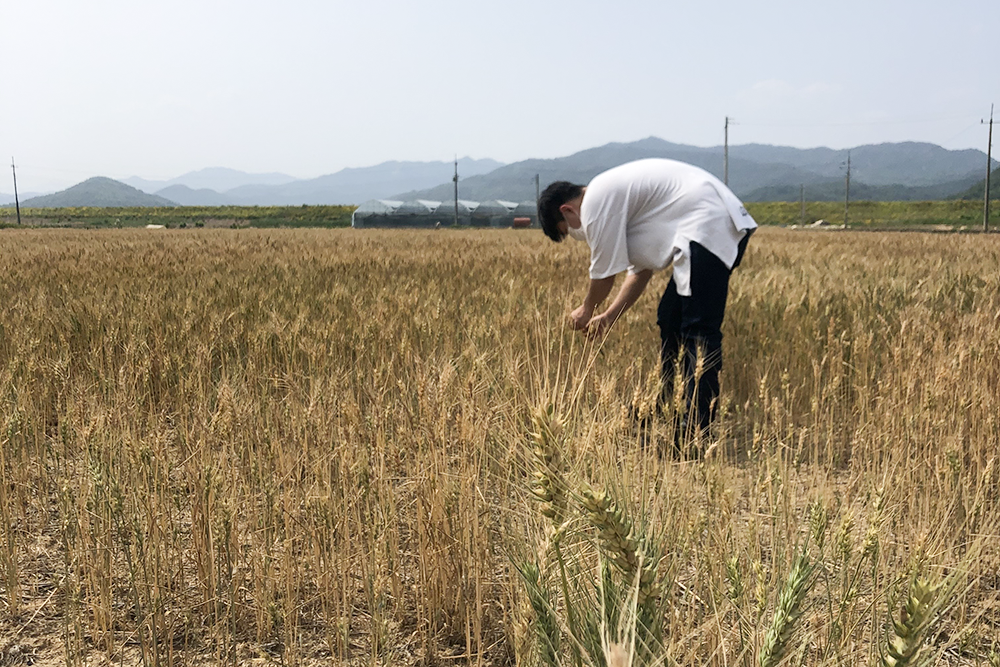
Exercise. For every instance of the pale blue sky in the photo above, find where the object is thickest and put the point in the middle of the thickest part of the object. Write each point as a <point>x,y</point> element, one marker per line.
<point>155,89</point>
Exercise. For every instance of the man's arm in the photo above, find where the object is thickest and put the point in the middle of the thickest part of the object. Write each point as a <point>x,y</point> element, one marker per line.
<point>596,294</point>
<point>629,293</point>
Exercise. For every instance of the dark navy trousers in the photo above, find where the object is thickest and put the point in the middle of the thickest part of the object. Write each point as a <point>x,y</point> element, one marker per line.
<point>691,327</point>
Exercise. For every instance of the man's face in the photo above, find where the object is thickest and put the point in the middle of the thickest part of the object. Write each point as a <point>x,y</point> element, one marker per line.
<point>566,229</point>
<point>563,228</point>
<point>571,216</point>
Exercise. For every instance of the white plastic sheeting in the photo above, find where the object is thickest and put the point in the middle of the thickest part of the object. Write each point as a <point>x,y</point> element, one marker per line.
<point>427,213</point>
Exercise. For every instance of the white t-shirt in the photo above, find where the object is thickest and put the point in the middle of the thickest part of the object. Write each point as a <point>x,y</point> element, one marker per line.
<point>644,215</point>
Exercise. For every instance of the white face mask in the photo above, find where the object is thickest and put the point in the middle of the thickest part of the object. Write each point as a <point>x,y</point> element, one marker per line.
<point>577,233</point>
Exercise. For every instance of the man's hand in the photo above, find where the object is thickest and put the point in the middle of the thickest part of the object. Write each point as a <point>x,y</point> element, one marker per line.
<point>596,293</point>
<point>583,318</point>
<point>599,325</point>
<point>580,318</point>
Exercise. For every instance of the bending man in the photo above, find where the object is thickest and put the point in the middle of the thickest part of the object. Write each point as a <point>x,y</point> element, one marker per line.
<point>642,217</point>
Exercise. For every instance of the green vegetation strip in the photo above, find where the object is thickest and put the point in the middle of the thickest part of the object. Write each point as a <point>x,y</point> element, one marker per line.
<point>183,216</point>
<point>877,214</point>
<point>955,214</point>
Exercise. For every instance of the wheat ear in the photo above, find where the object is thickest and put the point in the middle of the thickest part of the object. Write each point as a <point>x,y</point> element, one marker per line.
<point>622,543</point>
<point>546,624</point>
<point>788,612</point>
<point>549,483</point>
<point>906,635</point>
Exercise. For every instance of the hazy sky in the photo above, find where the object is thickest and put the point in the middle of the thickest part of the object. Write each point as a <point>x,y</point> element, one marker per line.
<point>155,89</point>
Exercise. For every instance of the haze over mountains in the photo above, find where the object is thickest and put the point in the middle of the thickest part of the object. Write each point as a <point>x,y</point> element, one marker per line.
<point>218,179</point>
<point>903,171</point>
<point>900,171</point>
<point>215,187</point>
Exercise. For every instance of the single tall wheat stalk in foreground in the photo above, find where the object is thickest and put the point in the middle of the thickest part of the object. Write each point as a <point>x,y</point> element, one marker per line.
<point>788,612</point>
<point>549,483</point>
<point>623,543</point>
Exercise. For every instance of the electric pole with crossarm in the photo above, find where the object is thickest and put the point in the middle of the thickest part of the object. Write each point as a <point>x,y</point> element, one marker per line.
<point>725,156</point>
<point>847,190</point>
<point>17,204</point>
<point>455,179</point>
<point>989,165</point>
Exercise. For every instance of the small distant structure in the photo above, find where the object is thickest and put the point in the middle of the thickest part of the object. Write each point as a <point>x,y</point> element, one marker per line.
<point>416,213</point>
<point>446,212</point>
<point>526,209</point>
<point>428,214</point>
<point>373,212</point>
<point>155,226</point>
<point>494,213</point>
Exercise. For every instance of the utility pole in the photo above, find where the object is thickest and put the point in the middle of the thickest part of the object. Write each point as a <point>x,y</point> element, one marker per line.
<point>802,200</point>
<point>538,189</point>
<point>989,165</point>
<point>17,204</point>
<point>455,179</point>
<point>847,191</point>
<point>725,156</point>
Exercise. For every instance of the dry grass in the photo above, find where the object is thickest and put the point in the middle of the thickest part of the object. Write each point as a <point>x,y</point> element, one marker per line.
<point>311,446</point>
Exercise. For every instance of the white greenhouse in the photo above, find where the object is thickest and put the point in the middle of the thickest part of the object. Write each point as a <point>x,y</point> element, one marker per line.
<point>373,212</point>
<point>426,213</point>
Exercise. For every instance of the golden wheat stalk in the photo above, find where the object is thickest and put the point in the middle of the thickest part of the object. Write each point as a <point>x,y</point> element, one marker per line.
<point>548,485</point>
<point>622,542</point>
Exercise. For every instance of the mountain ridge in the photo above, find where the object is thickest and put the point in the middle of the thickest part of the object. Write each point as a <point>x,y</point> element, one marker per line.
<point>905,170</point>
<point>354,185</point>
<point>218,179</point>
<point>98,191</point>
<point>757,172</point>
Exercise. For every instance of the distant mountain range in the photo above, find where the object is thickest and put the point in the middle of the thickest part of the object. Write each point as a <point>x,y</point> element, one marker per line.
<point>900,171</point>
<point>97,191</point>
<point>202,188</point>
<point>218,179</point>
<point>219,187</point>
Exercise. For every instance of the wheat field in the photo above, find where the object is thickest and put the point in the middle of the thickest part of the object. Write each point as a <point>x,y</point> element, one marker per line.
<point>306,447</point>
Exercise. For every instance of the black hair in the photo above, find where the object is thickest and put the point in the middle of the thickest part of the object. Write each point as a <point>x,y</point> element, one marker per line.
<point>552,197</point>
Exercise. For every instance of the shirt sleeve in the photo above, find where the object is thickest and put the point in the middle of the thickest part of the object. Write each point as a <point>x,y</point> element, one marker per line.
<point>605,218</point>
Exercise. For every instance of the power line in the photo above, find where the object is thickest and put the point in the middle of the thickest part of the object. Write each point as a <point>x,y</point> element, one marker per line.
<point>944,144</point>
<point>54,169</point>
<point>891,121</point>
